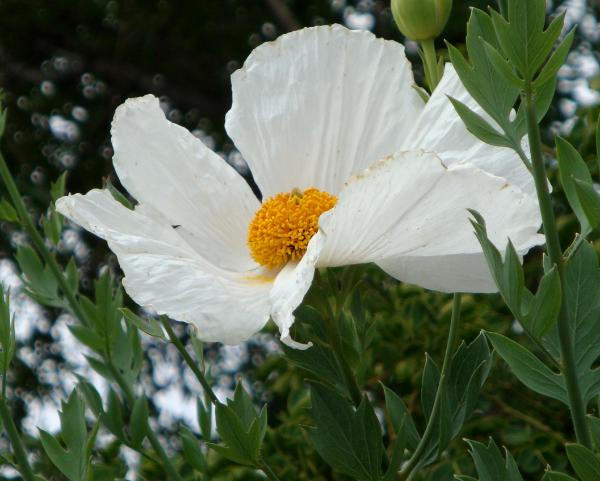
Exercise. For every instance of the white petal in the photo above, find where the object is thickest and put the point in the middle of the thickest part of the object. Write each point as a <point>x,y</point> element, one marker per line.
<point>320,104</point>
<point>291,285</point>
<point>439,129</point>
<point>411,206</point>
<point>163,273</point>
<point>163,165</point>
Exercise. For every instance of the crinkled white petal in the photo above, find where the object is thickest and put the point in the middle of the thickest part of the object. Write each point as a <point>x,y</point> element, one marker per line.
<point>410,206</point>
<point>439,129</point>
<point>320,104</point>
<point>163,165</point>
<point>163,273</point>
<point>291,285</point>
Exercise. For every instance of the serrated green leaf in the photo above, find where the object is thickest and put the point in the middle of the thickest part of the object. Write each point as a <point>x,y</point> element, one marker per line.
<point>594,425</point>
<point>503,67</point>
<point>589,199</point>
<point>73,459</point>
<point>544,307</point>
<point>138,423</point>
<point>556,60</point>
<point>240,443</point>
<point>149,325</point>
<point>57,188</point>
<point>479,77</point>
<point>556,476</point>
<point>191,450</point>
<point>598,143</point>
<point>581,283</point>
<point>400,418</point>
<point>348,440</point>
<point>585,463</point>
<point>397,450</point>
<point>478,126</point>
<point>429,385</point>
<point>8,212</point>
<point>88,337</point>
<point>537,314</point>
<point>529,369</point>
<point>204,419</point>
<point>490,463</point>
<point>572,167</point>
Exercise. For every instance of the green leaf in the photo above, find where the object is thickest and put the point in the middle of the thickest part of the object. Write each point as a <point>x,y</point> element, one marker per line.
<point>319,360</point>
<point>400,418</point>
<point>348,440</point>
<point>582,298</point>
<point>113,417</point>
<point>149,325</point>
<point>397,451</point>
<point>467,372</point>
<point>589,199</point>
<point>7,333</point>
<point>57,188</point>
<point>8,212</point>
<point>204,419</point>
<point>522,38</point>
<point>537,314</point>
<point>585,463</point>
<point>503,67</point>
<point>478,126</point>
<point>556,60</point>
<point>545,305</point>
<point>598,143</point>
<point>73,460</point>
<point>240,441</point>
<point>556,476</point>
<point>594,425</point>
<point>191,450</point>
<point>490,464</point>
<point>88,337</point>
<point>572,167</point>
<point>529,369</point>
<point>429,385</point>
<point>480,77</point>
<point>138,424</point>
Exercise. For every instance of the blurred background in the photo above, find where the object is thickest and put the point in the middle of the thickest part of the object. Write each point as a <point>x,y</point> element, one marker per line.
<point>65,65</point>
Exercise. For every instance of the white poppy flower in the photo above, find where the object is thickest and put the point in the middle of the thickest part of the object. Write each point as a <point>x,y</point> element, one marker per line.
<point>325,117</point>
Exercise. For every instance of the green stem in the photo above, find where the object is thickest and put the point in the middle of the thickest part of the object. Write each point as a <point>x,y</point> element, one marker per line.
<point>188,359</point>
<point>267,470</point>
<point>415,459</point>
<point>38,241</point>
<point>430,63</point>
<point>555,256</point>
<point>15,440</point>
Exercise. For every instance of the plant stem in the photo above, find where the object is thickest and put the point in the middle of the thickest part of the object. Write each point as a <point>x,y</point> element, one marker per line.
<point>38,241</point>
<point>430,63</point>
<point>15,440</point>
<point>415,459</point>
<point>555,256</point>
<point>268,471</point>
<point>188,359</point>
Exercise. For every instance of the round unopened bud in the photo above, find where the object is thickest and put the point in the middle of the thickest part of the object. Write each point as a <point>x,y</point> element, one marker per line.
<point>421,19</point>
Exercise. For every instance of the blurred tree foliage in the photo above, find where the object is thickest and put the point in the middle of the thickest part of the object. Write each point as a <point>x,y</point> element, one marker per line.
<point>65,65</point>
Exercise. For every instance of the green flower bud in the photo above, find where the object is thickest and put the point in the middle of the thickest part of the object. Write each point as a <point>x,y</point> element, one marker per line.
<point>421,19</point>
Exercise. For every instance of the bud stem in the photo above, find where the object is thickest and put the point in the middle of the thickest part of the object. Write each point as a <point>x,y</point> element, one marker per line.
<point>430,63</point>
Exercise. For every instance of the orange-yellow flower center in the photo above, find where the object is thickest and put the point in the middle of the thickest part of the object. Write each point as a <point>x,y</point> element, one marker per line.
<point>285,223</point>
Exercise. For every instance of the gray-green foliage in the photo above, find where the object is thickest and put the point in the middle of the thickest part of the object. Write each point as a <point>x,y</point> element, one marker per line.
<point>73,455</point>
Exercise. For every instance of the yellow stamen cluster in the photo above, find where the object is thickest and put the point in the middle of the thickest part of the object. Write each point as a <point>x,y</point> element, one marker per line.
<point>285,223</point>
